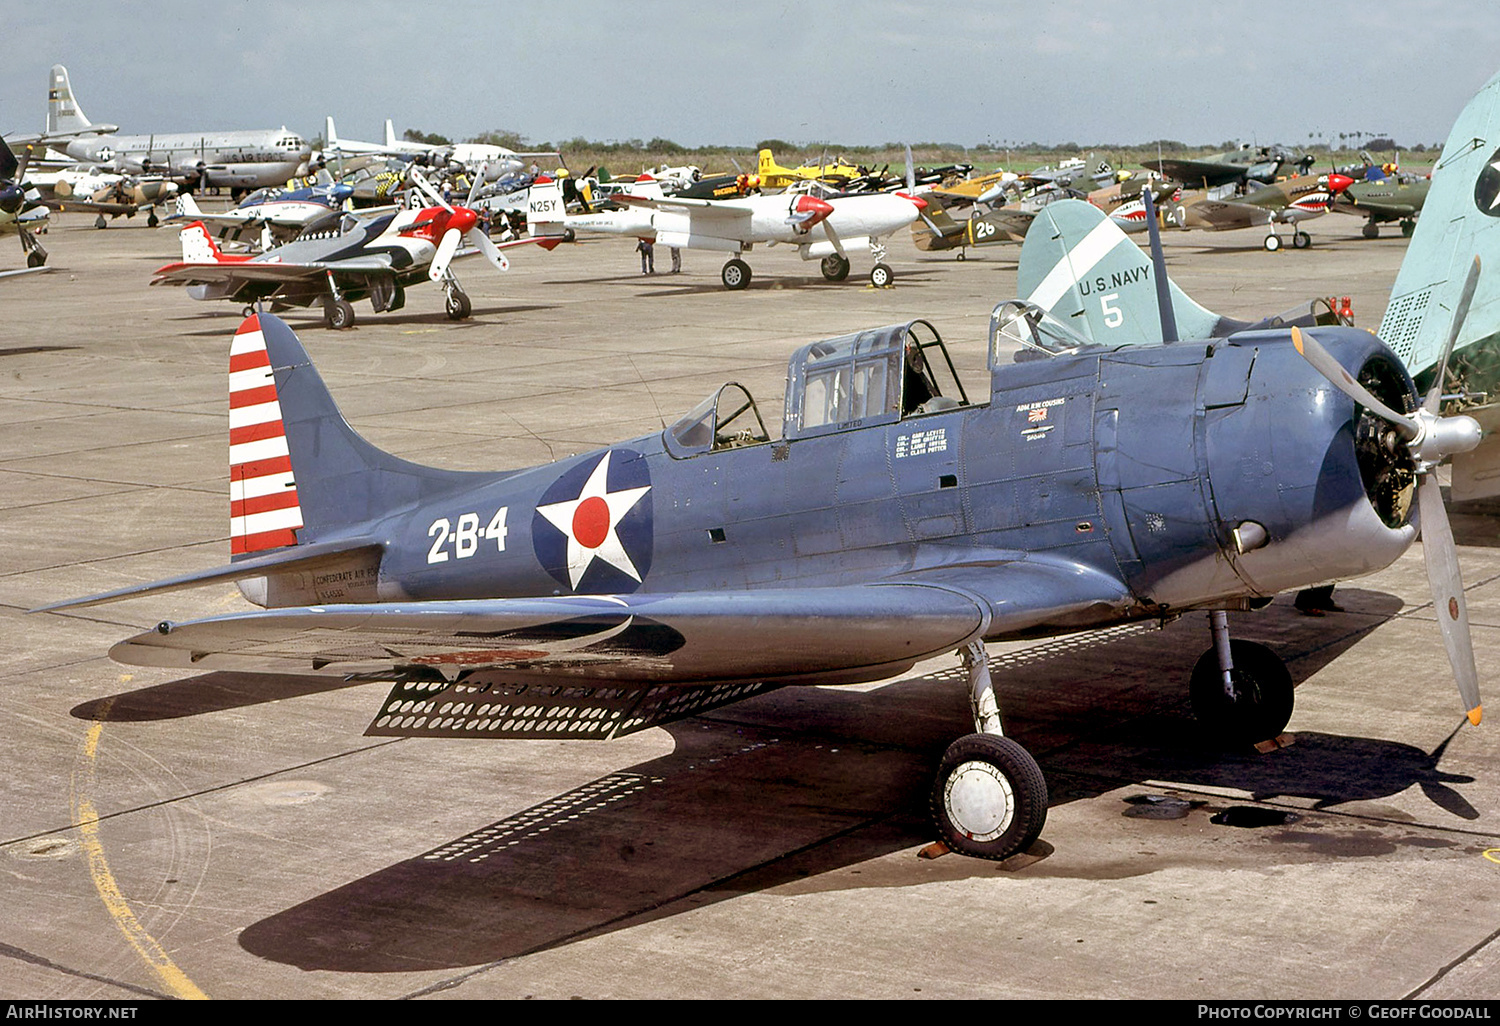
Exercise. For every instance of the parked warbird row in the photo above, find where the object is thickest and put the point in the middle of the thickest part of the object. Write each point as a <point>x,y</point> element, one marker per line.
<point>899,514</point>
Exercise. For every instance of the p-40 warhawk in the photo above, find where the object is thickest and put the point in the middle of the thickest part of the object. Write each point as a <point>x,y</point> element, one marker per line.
<point>895,519</point>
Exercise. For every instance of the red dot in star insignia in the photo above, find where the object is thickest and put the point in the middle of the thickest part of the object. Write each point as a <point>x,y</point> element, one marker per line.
<point>591,522</point>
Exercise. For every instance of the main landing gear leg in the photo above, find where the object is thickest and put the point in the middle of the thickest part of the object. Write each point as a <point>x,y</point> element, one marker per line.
<point>338,312</point>
<point>1241,691</point>
<point>989,799</point>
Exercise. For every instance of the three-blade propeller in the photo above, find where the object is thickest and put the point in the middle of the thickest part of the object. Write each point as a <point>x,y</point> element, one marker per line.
<point>1430,438</point>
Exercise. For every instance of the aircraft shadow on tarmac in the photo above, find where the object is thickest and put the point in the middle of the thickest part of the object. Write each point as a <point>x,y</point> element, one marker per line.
<point>311,319</point>
<point>838,777</point>
<point>676,285</point>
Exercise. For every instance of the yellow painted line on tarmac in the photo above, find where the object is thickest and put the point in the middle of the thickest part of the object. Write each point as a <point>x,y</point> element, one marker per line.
<point>86,818</point>
<point>1493,854</point>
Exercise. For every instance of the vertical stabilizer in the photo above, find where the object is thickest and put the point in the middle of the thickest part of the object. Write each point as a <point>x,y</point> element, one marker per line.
<point>1460,220</point>
<point>1077,264</point>
<point>546,212</point>
<point>64,117</point>
<point>198,247</point>
<point>299,473</point>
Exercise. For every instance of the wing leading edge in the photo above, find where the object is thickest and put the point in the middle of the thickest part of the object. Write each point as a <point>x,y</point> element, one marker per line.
<point>813,635</point>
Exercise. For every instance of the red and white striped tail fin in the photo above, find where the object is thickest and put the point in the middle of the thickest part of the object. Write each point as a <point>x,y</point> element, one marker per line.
<point>263,509</point>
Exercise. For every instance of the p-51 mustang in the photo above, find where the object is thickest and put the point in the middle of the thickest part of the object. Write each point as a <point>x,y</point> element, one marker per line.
<point>278,214</point>
<point>895,519</point>
<point>375,255</point>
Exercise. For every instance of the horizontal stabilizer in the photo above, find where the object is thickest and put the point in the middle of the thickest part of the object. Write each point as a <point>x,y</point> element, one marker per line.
<point>302,558</point>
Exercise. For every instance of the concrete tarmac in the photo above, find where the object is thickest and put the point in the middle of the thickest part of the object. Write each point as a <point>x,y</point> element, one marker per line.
<point>236,836</point>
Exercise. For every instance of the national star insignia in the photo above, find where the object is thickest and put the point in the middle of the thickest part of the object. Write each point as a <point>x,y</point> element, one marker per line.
<point>589,523</point>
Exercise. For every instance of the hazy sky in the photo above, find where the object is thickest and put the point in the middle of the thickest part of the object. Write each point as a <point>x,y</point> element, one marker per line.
<point>734,73</point>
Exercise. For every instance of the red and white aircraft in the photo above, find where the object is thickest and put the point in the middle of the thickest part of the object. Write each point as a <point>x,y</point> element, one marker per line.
<point>373,255</point>
<point>821,229</point>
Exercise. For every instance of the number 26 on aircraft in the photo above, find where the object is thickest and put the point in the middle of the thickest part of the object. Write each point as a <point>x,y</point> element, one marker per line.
<point>465,539</point>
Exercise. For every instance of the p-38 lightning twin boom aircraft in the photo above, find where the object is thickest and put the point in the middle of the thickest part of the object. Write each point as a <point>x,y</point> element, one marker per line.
<point>821,229</point>
<point>895,519</point>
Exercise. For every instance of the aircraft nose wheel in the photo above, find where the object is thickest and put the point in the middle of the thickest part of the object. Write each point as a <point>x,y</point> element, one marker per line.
<point>881,276</point>
<point>1263,698</point>
<point>989,799</point>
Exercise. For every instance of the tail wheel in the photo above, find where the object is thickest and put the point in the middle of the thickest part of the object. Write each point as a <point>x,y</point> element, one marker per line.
<point>881,276</point>
<point>989,799</point>
<point>1264,695</point>
<point>458,305</point>
<point>339,314</point>
<point>736,274</point>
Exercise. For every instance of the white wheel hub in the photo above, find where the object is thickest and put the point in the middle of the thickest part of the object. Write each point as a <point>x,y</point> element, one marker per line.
<point>979,800</point>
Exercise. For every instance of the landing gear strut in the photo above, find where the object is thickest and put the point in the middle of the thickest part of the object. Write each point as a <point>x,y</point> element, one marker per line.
<point>1241,692</point>
<point>338,312</point>
<point>36,256</point>
<point>989,799</point>
<point>457,303</point>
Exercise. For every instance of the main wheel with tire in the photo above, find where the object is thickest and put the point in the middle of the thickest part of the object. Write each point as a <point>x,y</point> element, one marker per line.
<point>1264,694</point>
<point>1371,230</point>
<point>1301,240</point>
<point>989,799</point>
<point>736,274</point>
<point>835,267</point>
<point>339,314</point>
<point>1273,243</point>
<point>881,276</point>
<point>458,305</point>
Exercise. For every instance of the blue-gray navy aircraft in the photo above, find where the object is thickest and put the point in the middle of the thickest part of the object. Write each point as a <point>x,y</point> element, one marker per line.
<point>896,518</point>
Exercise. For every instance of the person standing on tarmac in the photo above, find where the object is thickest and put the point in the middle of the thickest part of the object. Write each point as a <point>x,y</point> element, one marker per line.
<point>648,256</point>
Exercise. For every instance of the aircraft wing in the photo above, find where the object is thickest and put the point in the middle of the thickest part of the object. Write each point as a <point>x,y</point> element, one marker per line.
<point>1220,215</point>
<point>845,633</point>
<point>1197,173</point>
<point>267,270</point>
<point>84,206</point>
<point>728,210</point>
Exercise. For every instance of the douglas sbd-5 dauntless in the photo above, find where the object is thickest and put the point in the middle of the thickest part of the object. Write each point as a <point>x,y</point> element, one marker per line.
<point>895,519</point>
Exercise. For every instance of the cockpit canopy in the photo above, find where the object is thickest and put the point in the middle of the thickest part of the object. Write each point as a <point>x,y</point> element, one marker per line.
<point>871,377</point>
<point>1036,332</point>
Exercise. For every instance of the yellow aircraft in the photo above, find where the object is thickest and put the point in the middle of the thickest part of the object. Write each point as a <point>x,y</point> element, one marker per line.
<point>773,176</point>
<point>970,189</point>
